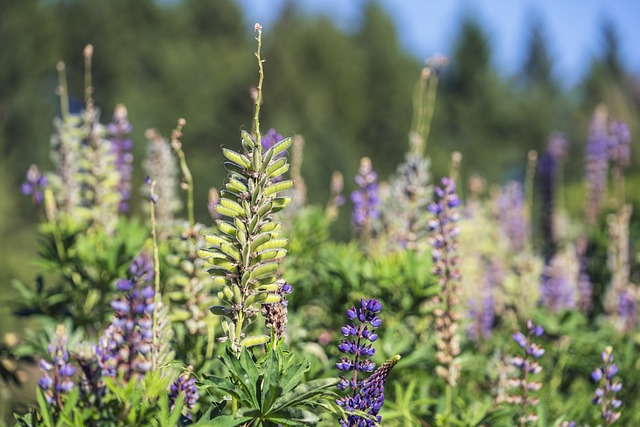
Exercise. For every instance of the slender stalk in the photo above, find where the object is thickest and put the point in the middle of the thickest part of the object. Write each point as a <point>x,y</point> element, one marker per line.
<point>532,160</point>
<point>186,173</point>
<point>156,267</point>
<point>432,89</point>
<point>88,89</point>
<point>258,97</point>
<point>62,90</point>
<point>447,404</point>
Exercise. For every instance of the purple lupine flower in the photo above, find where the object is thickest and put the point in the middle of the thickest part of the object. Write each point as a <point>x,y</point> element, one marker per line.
<point>512,216</point>
<point>547,174</point>
<point>596,164</point>
<point>444,252</point>
<point>558,283</point>
<point>365,322</point>
<point>607,389</point>
<point>369,399</point>
<point>33,185</point>
<point>628,309</point>
<point>118,130</point>
<point>619,148</point>
<point>57,372</point>
<point>527,366</point>
<point>187,385</point>
<point>366,200</point>
<point>584,287</point>
<point>270,139</point>
<point>480,311</point>
<point>127,341</point>
<point>367,395</point>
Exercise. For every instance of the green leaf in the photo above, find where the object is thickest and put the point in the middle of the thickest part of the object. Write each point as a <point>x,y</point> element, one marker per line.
<point>45,409</point>
<point>305,393</point>
<point>224,421</point>
<point>271,389</point>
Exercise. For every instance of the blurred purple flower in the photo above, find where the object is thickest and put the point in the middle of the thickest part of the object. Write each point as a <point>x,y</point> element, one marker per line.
<point>512,216</point>
<point>34,184</point>
<point>596,164</point>
<point>366,200</point>
<point>118,130</point>
<point>607,389</point>
<point>57,372</point>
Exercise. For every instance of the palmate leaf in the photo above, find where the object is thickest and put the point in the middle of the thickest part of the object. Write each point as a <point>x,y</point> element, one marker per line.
<point>305,394</point>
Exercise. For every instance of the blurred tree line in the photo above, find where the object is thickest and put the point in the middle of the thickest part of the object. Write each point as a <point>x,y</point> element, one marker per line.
<point>348,93</point>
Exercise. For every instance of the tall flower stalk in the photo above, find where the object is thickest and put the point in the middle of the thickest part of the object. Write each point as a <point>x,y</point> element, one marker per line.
<point>246,253</point>
<point>366,396</point>
<point>366,200</point>
<point>444,254</point>
<point>527,366</point>
<point>605,395</point>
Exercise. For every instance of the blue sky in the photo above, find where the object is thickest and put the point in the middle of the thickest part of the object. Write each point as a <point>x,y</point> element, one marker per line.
<point>426,27</point>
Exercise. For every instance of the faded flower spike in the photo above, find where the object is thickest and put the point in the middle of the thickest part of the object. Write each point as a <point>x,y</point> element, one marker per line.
<point>33,185</point>
<point>118,130</point>
<point>605,395</point>
<point>527,366</point>
<point>57,372</point>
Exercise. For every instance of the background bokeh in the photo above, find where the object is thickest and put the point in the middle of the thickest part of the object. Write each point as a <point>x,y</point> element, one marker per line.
<point>339,73</point>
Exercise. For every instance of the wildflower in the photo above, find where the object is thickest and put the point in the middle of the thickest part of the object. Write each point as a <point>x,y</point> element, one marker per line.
<point>512,216</point>
<point>275,314</point>
<point>187,385</point>
<point>607,389</point>
<point>596,164</point>
<point>367,395</point>
<point>481,306</point>
<point>57,372</point>
<point>619,147</point>
<point>559,279</point>
<point>366,200</point>
<point>527,366</point>
<point>33,185</point>
<point>121,145</point>
<point>270,139</point>
<point>444,253</point>
<point>127,341</point>
<point>161,166</point>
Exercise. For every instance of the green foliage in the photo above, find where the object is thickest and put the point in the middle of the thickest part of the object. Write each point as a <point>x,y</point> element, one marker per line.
<point>269,390</point>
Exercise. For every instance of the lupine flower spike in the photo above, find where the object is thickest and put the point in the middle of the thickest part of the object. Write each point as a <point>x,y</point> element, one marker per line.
<point>57,372</point>
<point>127,341</point>
<point>366,396</point>
<point>186,384</point>
<point>366,201</point>
<point>444,253</point>
<point>607,389</point>
<point>118,130</point>
<point>527,366</point>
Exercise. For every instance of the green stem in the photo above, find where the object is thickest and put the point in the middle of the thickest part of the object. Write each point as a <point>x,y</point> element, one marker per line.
<point>62,91</point>
<point>432,89</point>
<point>447,404</point>
<point>156,267</point>
<point>186,172</point>
<point>258,100</point>
<point>532,160</point>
